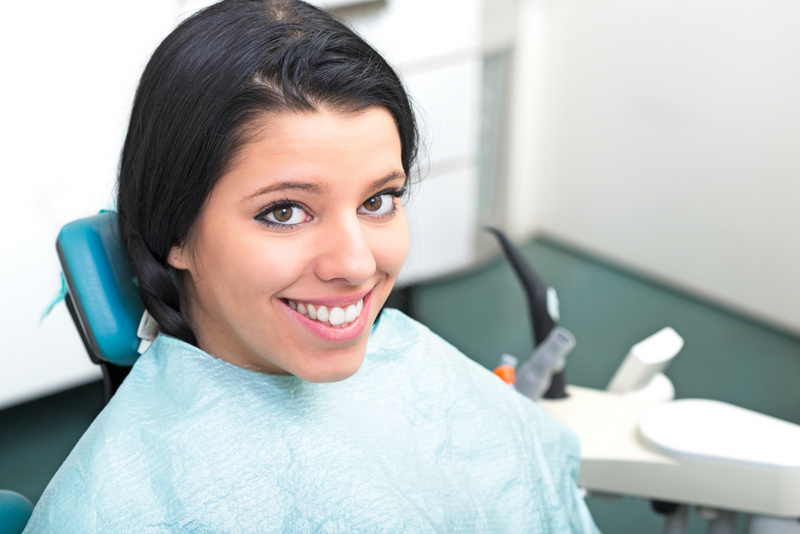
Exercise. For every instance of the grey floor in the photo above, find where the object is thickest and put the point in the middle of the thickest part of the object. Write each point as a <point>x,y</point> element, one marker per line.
<point>726,357</point>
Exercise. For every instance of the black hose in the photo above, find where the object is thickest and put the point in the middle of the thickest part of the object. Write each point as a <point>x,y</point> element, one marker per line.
<point>536,292</point>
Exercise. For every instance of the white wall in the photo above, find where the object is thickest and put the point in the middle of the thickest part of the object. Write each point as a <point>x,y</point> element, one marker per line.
<point>69,71</point>
<point>673,144</point>
<point>527,129</point>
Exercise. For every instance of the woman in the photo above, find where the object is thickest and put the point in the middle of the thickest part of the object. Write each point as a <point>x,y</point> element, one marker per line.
<point>259,201</point>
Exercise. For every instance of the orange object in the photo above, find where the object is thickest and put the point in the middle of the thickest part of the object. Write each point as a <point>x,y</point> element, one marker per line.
<point>506,373</point>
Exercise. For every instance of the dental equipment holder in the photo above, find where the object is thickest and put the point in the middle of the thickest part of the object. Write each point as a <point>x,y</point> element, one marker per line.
<point>634,440</point>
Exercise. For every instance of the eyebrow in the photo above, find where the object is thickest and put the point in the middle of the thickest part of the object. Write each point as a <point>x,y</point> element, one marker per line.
<point>316,189</point>
<point>282,186</point>
<point>380,182</point>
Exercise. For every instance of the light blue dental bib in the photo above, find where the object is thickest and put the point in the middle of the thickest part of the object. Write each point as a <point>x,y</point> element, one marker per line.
<point>420,439</point>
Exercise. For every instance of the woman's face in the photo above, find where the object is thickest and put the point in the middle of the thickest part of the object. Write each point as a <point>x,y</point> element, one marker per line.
<point>299,245</point>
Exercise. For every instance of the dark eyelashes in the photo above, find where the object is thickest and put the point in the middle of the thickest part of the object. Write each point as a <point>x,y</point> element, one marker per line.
<point>286,203</point>
<point>396,193</point>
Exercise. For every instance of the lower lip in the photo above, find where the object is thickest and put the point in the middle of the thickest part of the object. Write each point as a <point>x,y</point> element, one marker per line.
<point>334,334</point>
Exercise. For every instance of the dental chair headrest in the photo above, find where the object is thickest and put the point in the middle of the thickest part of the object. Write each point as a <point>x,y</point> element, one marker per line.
<point>102,295</point>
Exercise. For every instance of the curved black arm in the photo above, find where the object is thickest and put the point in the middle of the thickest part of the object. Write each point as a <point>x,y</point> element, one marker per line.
<point>536,292</point>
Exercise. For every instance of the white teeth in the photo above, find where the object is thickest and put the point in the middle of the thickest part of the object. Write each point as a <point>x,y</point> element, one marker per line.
<point>335,316</point>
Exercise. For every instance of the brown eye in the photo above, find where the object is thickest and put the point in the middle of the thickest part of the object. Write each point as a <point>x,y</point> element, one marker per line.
<point>374,204</point>
<point>382,205</point>
<point>283,214</point>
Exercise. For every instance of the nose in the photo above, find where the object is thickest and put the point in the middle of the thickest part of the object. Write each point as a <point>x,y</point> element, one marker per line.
<point>345,253</point>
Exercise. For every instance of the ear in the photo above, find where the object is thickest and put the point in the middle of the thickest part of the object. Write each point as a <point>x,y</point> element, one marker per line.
<point>178,257</point>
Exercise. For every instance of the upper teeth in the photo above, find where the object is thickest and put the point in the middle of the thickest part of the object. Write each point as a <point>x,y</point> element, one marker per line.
<point>335,316</point>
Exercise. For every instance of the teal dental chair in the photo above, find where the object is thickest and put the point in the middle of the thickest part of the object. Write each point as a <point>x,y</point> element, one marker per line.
<point>102,296</point>
<point>15,510</point>
<point>104,303</point>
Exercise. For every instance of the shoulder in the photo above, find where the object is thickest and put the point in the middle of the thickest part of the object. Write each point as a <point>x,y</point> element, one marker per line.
<point>397,334</point>
<point>431,361</point>
<point>504,445</point>
<point>108,458</point>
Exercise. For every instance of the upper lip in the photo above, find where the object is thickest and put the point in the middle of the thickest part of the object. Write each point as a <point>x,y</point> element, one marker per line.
<point>335,301</point>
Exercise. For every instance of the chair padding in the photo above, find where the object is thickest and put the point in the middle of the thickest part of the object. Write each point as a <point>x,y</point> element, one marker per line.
<point>15,510</point>
<point>100,284</point>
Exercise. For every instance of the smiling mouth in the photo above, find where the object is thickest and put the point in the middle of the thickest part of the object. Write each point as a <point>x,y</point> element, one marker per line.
<point>334,316</point>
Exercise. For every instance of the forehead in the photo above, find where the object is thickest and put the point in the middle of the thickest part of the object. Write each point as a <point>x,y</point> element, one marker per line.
<point>325,140</point>
<point>326,125</point>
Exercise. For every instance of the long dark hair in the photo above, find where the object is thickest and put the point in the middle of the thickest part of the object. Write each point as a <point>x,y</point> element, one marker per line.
<point>205,85</point>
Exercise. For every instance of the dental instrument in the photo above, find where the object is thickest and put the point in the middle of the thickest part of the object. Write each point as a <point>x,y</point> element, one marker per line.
<point>535,375</point>
<point>641,372</point>
<point>507,369</point>
<point>542,305</point>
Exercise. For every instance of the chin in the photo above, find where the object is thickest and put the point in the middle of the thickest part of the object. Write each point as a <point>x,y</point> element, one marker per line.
<point>336,372</point>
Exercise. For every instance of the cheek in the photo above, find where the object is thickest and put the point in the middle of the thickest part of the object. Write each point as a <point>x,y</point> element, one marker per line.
<point>240,266</point>
<point>269,265</point>
<point>391,248</point>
